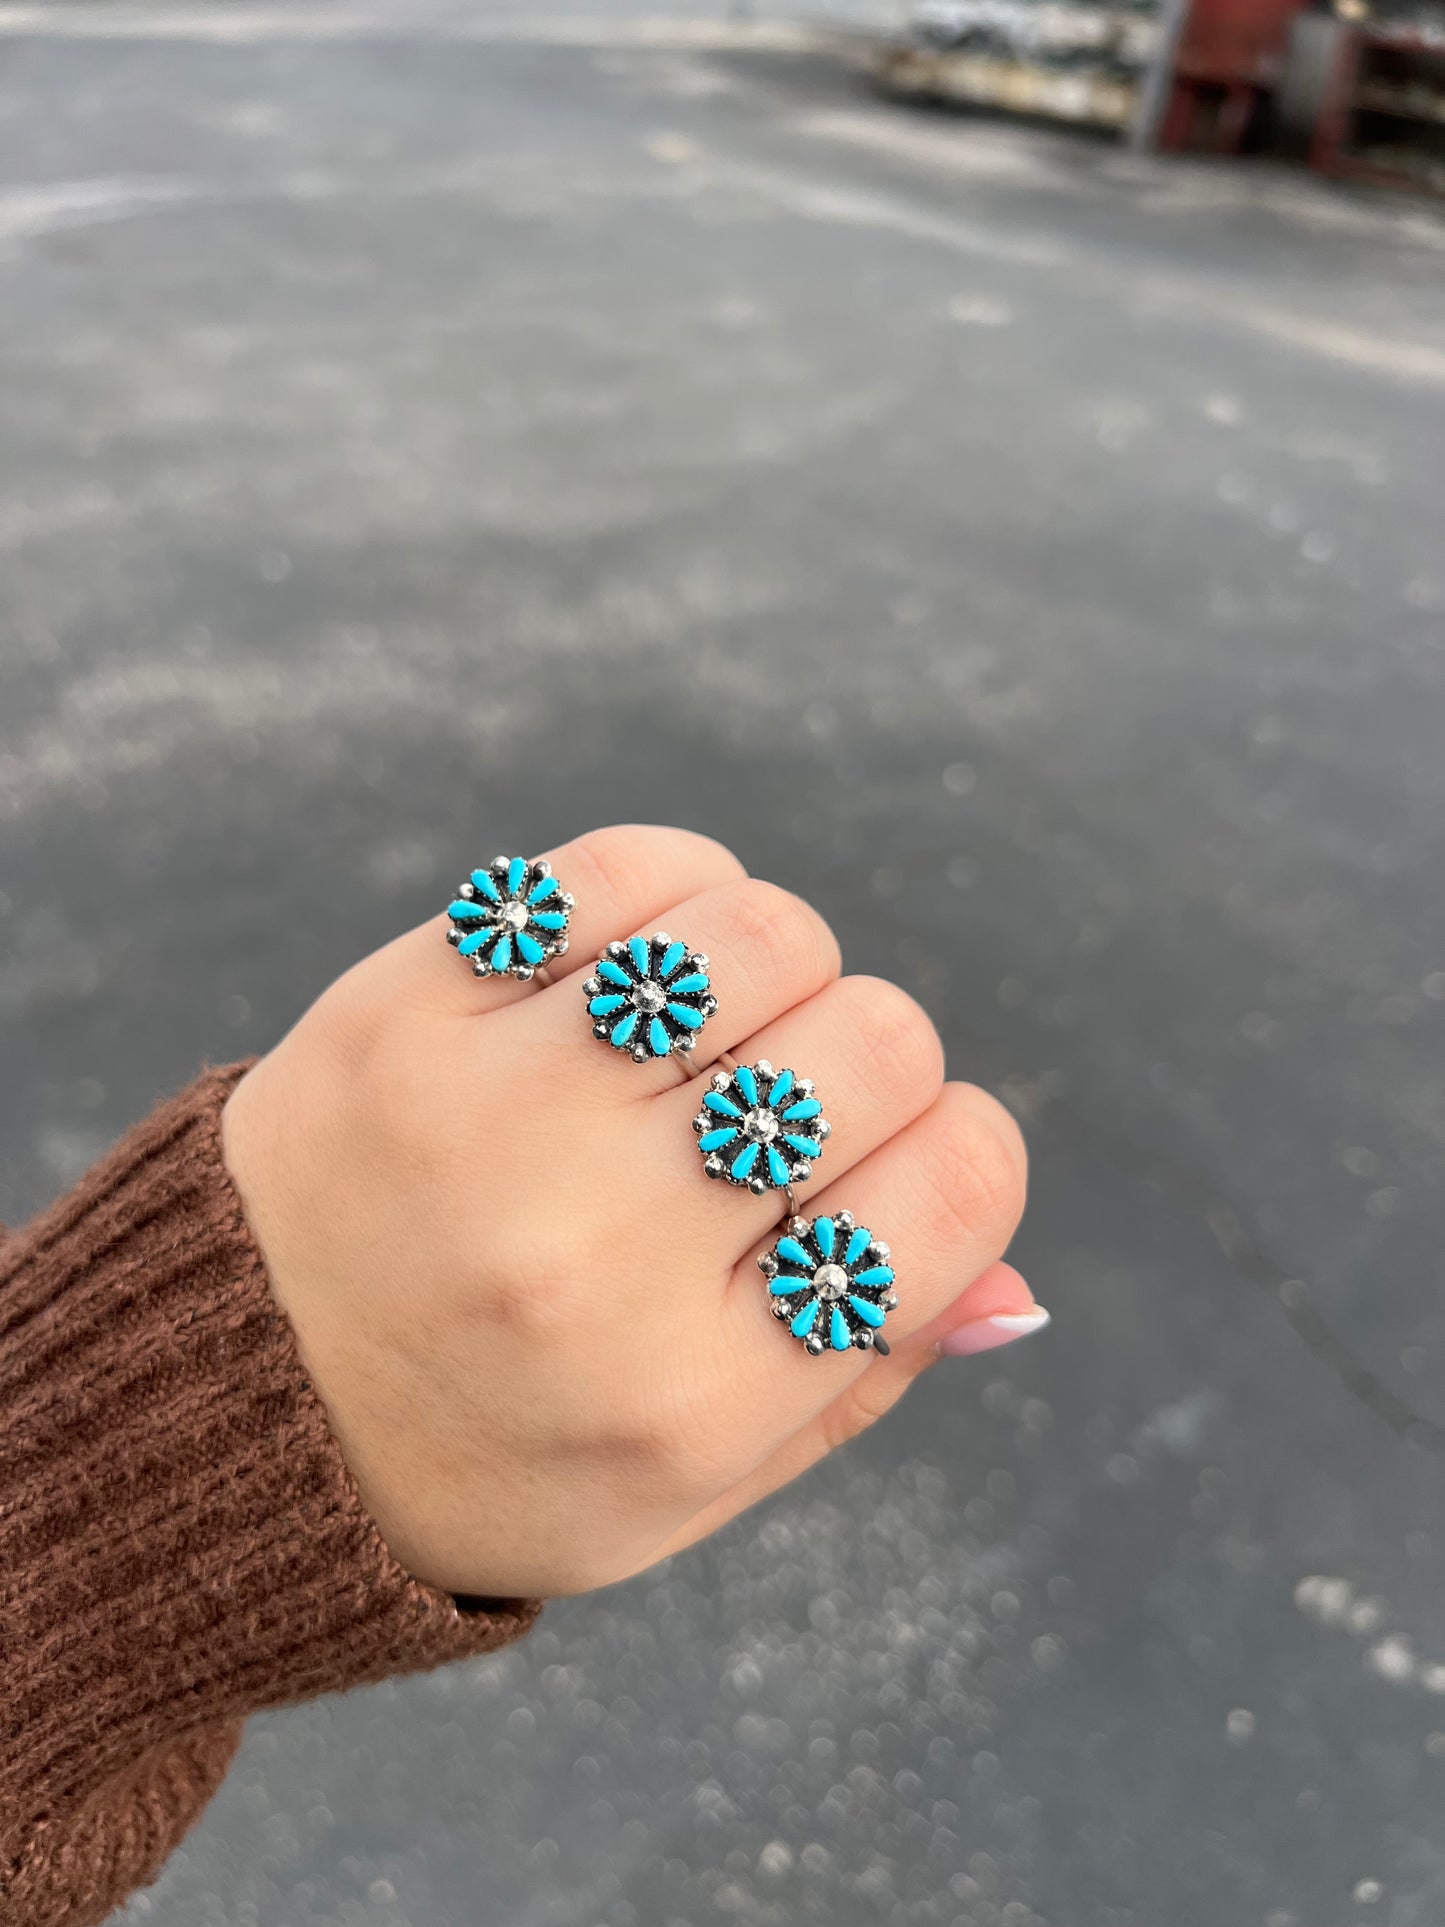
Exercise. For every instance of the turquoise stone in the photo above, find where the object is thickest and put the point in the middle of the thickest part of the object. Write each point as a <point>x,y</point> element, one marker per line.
<point>549,919</point>
<point>744,1161</point>
<point>671,958</point>
<point>516,875</point>
<point>870,1314</point>
<point>604,1006</point>
<point>614,973</point>
<point>724,1106</point>
<point>824,1235</point>
<point>688,986</point>
<point>806,1147</point>
<point>857,1245</point>
<point>804,1108</point>
<point>502,955</point>
<point>622,1036</point>
<point>782,1084</point>
<point>482,880</point>
<point>532,951</point>
<point>875,1275</point>
<point>684,1014</point>
<point>641,955</point>
<point>715,1140</point>
<point>777,1169</point>
<point>792,1253</point>
<point>546,888</point>
<point>746,1082</point>
<point>838,1335</point>
<point>478,940</point>
<point>805,1320</point>
<point>658,1038</point>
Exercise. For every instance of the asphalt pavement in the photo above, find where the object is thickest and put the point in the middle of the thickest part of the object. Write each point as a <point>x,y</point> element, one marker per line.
<point>427,431</point>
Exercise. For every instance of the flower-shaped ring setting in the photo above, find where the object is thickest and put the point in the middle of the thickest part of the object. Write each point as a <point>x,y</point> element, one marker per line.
<point>511,919</point>
<point>832,1281</point>
<point>649,997</point>
<point>760,1127</point>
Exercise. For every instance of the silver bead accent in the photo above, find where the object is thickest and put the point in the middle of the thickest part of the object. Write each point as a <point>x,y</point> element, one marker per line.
<point>661,936</point>
<point>699,960</point>
<point>599,1029</point>
<point>779,1307</point>
<point>481,969</point>
<point>799,1227</point>
<point>879,1251</point>
<point>713,1166</point>
<point>543,869</point>
<point>757,1186</point>
<point>889,1301</point>
<point>592,987</point>
<point>801,1171</point>
<point>454,936</point>
<point>813,1343</point>
<point>863,1338</point>
<point>709,1005</point>
<point>721,1080</point>
<point>523,973</point>
<point>617,948</point>
<point>468,890</point>
<point>640,1053</point>
<point>768,1265</point>
<point>806,1086</point>
<point>501,864</point>
<point>763,1067</point>
<point>844,1220</point>
<point>569,902</point>
<point>701,1122</point>
<point>561,947</point>
<point>823,1132</point>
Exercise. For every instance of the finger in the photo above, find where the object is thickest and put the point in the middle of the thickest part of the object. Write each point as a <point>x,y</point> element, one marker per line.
<point>621,877</point>
<point>876,1063</point>
<point>946,1195</point>
<point>1000,1294</point>
<point>765,949</point>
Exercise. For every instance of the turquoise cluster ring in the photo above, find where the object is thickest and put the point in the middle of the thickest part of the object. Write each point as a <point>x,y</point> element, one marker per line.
<point>510,920</point>
<point>832,1281</point>
<point>649,997</point>
<point>760,1127</point>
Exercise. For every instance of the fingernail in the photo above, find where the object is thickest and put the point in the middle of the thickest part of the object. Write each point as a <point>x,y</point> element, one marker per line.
<point>987,1334</point>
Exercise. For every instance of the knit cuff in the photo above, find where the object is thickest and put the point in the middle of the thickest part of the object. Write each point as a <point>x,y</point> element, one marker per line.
<point>180,1540</point>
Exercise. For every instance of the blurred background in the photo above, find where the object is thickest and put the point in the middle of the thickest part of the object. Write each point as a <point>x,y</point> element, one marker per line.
<point>433,428</point>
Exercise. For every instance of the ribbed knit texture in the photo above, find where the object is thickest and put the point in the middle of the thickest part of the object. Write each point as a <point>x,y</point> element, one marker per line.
<point>180,1540</point>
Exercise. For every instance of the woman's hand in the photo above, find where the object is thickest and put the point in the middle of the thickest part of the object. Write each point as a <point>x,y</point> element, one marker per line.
<point>538,1329</point>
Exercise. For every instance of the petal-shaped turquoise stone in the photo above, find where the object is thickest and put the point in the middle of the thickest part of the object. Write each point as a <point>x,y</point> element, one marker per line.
<point>516,875</point>
<point>532,951</point>
<point>482,880</point>
<point>690,986</point>
<point>804,1108</point>
<point>614,973</point>
<point>777,1169</point>
<point>724,1106</point>
<point>715,1140</point>
<point>839,1337</point>
<point>604,1006</point>
<point>858,1243</point>
<point>876,1275</point>
<point>464,912</point>
<point>805,1319</point>
<point>807,1147</point>
<point>671,958</point>
<point>792,1253</point>
<point>658,1038</point>
<point>685,1015</point>
<point>548,919</point>
<point>781,1085</point>
<point>641,955</point>
<point>745,1160</point>
<point>785,1287</point>
<point>502,955</point>
<point>478,940</point>
<point>870,1314</point>
<point>546,888</point>
<point>622,1036</point>
<point>746,1082</point>
<point>824,1235</point>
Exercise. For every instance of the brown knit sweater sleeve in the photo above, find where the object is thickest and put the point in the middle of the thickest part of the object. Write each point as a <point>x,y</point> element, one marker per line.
<point>180,1540</point>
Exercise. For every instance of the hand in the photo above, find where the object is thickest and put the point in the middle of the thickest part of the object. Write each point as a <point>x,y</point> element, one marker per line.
<point>538,1329</point>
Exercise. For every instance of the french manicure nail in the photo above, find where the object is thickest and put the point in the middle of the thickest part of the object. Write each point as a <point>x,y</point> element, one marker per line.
<point>987,1334</point>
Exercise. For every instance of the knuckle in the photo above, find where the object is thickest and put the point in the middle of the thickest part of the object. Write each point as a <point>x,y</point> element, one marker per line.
<point>901,1048</point>
<point>781,931</point>
<point>620,861</point>
<point>979,1165</point>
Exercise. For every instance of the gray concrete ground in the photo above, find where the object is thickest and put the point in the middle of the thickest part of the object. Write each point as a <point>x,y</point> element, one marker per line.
<point>435,431</point>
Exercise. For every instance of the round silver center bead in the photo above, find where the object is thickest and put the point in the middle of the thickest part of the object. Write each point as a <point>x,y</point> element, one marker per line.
<point>761,1126</point>
<point>514,915</point>
<point>830,1282</point>
<point>649,997</point>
